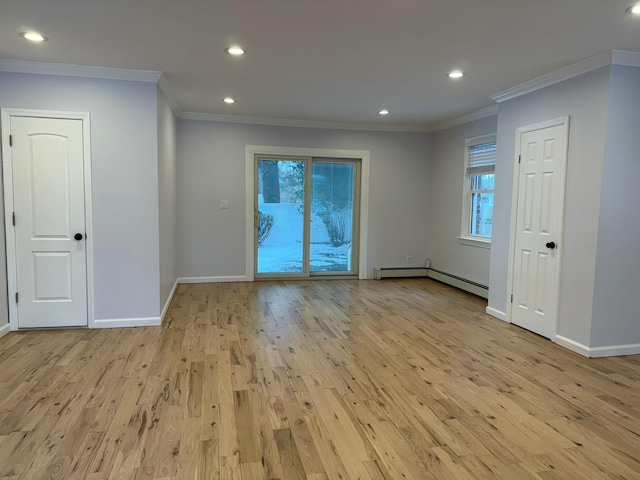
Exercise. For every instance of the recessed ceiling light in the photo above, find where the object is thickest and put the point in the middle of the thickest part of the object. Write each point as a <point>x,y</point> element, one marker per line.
<point>234,51</point>
<point>384,112</point>
<point>456,74</point>
<point>634,9</point>
<point>229,100</point>
<point>34,37</point>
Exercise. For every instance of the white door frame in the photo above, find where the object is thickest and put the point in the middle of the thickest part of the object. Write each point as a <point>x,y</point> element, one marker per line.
<point>7,172</point>
<point>560,121</point>
<point>252,150</point>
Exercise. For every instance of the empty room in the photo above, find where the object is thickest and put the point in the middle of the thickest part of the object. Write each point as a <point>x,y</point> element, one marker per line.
<point>319,240</point>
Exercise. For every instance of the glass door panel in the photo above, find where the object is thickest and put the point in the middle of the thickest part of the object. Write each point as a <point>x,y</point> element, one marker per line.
<point>280,217</point>
<point>332,216</point>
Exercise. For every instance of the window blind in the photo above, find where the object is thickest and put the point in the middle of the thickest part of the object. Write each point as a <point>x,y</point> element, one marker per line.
<point>482,158</point>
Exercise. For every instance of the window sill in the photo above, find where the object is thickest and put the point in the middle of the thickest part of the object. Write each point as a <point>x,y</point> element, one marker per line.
<point>475,241</point>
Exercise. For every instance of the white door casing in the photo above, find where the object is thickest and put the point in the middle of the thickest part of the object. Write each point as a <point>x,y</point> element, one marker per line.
<point>45,181</point>
<point>537,237</point>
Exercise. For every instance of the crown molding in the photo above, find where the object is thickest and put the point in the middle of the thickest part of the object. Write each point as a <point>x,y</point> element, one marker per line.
<point>290,122</point>
<point>560,75</point>
<point>167,91</point>
<point>613,57</point>
<point>86,71</point>
<point>469,117</point>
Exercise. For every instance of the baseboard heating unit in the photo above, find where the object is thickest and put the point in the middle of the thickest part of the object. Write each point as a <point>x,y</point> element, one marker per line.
<point>380,272</point>
<point>453,280</point>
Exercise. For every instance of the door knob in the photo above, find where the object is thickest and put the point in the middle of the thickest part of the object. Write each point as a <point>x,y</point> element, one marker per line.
<point>78,236</point>
<point>551,245</point>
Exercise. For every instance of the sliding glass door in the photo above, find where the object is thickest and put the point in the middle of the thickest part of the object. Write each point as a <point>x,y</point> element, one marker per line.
<point>280,230</point>
<point>306,216</point>
<point>332,216</point>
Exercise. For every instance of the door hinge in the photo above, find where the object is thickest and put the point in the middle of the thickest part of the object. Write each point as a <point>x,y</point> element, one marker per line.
<point>519,158</point>
<point>11,140</point>
<point>16,297</point>
<point>13,219</point>
<point>512,298</point>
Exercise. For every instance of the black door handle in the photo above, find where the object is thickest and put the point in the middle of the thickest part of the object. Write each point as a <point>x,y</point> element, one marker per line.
<point>78,236</point>
<point>551,245</point>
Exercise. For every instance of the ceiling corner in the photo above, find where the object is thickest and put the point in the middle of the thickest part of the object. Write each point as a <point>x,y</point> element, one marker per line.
<point>167,91</point>
<point>560,75</point>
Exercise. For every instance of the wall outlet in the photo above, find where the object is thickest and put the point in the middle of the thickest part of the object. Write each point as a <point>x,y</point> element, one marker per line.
<point>427,264</point>
<point>224,203</point>
<point>408,259</point>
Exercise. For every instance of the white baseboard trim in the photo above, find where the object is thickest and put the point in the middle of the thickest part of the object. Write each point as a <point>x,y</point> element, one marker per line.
<point>127,322</point>
<point>168,302</point>
<point>4,330</point>
<point>497,313</point>
<point>598,352</point>
<point>573,345</point>
<point>239,278</point>
<point>614,350</point>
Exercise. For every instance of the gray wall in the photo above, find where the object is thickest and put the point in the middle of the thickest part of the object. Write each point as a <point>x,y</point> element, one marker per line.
<point>212,168</point>
<point>125,181</point>
<point>4,304</point>
<point>585,99</point>
<point>616,303</point>
<point>447,182</point>
<point>167,197</point>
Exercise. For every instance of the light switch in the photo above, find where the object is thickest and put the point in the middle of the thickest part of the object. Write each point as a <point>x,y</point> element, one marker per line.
<point>224,203</point>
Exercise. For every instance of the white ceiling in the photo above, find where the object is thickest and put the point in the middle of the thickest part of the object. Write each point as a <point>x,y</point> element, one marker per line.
<point>325,60</point>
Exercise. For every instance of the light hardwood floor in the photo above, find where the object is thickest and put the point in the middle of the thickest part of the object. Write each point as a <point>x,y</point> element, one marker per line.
<point>393,379</point>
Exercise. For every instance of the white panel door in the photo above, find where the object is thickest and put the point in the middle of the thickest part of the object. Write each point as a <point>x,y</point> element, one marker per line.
<point>538,226</point>
<point>48,189</point>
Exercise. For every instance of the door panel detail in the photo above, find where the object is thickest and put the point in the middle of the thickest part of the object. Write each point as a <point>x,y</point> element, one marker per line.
<point>538,224</point>
<point>49,186</point>
<point>52,274</point>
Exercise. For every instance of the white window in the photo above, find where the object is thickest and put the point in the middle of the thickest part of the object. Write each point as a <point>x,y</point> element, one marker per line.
<point>480,166</point>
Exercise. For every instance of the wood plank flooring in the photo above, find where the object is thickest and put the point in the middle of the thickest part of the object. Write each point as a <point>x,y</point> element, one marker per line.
<point>316,380</point>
